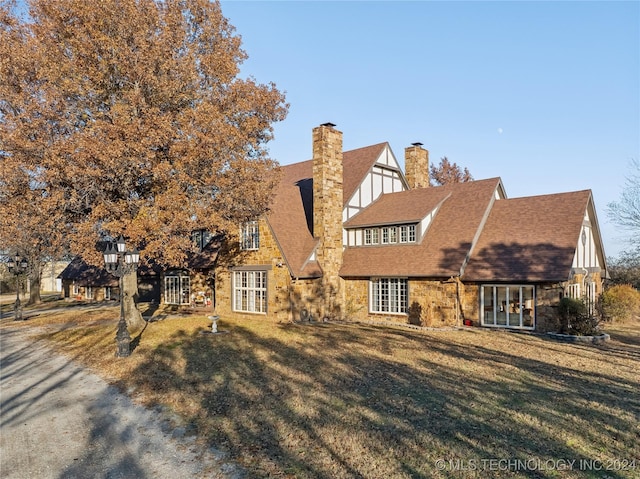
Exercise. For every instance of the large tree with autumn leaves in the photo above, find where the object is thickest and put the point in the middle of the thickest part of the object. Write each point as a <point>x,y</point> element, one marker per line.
<point>129,117</point>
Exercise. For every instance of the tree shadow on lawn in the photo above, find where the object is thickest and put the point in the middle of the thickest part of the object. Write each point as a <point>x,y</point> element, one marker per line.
<point>334,401</point>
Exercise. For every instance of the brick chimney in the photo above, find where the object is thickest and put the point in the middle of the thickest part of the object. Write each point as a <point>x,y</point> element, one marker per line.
<point>416,166</point>
<point>327,213</point>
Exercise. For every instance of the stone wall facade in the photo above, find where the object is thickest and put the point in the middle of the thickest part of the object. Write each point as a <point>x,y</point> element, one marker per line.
<point>266,258</point>
<point>436,303</point>
<point>416,161</point>
<point>327,216</point>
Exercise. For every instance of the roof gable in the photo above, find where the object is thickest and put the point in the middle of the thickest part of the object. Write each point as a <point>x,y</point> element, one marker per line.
<point>403,207</point>
<point>529,239</point>
<point>291,214</point>
<point>445,246</point>
<point>357,163</point>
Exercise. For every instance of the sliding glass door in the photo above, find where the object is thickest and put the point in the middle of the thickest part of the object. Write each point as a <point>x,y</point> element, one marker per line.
<point>508,306</point>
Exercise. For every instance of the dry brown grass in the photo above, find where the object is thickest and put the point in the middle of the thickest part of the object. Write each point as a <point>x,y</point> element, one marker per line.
<point>344,400</point>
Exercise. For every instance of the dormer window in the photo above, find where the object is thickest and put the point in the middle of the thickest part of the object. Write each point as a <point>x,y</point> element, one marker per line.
<point>408,234</point>
<point>371,236</point>
<point>384,235</point>
<point>250,236</point>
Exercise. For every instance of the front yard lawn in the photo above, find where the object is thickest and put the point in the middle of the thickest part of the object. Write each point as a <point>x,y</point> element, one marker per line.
<point>347,400</point>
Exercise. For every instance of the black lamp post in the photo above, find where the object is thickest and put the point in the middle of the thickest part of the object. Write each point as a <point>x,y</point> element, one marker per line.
<point>17,266</point>
<point>120,262</point>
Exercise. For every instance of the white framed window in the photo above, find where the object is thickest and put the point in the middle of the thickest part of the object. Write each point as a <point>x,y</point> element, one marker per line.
<point>250,236</point>
<point>75,289</point>
<point>390,235</point>
<point>508,306</point>
<point>404,234</point>
<point>393,234</point>
<point>250,291</point>
<point>371,236</point>
<point>388,295</point>
<point>107,292</point>
<point>411,232</point>
<point>177,288</point>
<point>88,292</point>
<point>367,236</point>
<point>407,233</point>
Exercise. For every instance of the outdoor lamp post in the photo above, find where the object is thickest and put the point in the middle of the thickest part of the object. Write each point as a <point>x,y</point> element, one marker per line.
<point>120,262</point>
<point>17,266</point>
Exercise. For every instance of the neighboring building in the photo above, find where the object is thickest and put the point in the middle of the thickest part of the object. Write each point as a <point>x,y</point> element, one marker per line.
<point>175,286</point>
<point>82,282</point>
<point>349,236</point>
<point>50,281</point>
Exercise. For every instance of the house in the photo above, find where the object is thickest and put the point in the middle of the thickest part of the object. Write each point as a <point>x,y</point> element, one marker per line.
<point>349,235</point>
<point>184,286</point>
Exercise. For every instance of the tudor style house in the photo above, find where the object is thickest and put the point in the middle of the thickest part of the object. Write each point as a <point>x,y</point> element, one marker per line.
<point>350,236</point>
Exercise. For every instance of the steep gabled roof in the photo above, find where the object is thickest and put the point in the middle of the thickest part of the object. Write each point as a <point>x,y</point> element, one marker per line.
<point>397,208</point>
<point>86,275</point>
<point>291,219</point>
<point>529,239</point>
<point>291,214</point>
<point>356,164</point>
<point>447,243</point>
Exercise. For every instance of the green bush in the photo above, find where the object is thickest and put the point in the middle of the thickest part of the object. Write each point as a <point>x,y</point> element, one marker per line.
<point>576,319</point>
<point>620,303</point>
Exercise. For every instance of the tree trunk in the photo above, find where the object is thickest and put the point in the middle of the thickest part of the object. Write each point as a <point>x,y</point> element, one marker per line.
<point>129,295</point>
<point>36,281</point>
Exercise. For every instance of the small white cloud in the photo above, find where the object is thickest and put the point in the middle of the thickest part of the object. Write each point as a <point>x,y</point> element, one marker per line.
<point>500,130</point>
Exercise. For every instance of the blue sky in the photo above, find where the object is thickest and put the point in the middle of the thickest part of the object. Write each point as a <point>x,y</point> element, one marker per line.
<point>544,94</point>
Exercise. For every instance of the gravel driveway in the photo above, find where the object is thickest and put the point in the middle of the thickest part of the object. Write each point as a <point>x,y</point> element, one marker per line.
<point>59,420</point>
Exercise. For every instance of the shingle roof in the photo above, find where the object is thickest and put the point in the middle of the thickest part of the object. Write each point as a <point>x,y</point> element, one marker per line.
<point>291,218</point>
<point>291,214</point>
<point>402,207</point>
<point>529,239</point>
<point>86,275</point>
<point>446,244</point>
<point>356,164</point>
<point>521,239</point>
<point>205,259</point>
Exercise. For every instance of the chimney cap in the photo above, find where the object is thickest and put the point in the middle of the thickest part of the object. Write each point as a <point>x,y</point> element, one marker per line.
<point>417,143</point>
<point>329,124</point>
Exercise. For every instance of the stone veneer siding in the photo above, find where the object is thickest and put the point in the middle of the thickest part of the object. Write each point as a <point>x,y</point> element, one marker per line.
<point>267,257</point>
<point>442,303</point>
<point>327,216</point>
<point>416,161</point>
<point>548,297</point>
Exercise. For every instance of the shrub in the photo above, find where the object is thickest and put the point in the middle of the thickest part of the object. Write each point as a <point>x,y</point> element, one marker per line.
<point>576,319</point>
<point>415,314</point>
<point>620,303</point>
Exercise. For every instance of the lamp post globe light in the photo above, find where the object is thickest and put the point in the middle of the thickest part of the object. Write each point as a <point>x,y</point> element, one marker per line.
<point>17,266</point>
<point>119,262</point>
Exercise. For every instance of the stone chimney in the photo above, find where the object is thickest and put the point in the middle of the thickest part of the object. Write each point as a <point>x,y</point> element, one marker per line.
<point>416,166</point>
<point>327,213</point>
